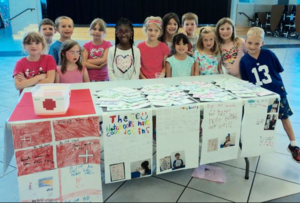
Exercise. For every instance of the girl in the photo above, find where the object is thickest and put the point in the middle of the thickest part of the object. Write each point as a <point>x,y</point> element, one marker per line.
<point>181,64</point>
<point>170,28</point>
<point>36,67</point>
<point>232,48</point>
<point>71,69</point>
<point>153,52</point>
<point>207,54</point>
<point>95,52</point>
<point>124,58</point>
<point>144,169</point>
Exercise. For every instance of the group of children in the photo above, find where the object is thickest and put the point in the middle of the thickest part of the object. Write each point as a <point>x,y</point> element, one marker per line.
<point>165,52</point>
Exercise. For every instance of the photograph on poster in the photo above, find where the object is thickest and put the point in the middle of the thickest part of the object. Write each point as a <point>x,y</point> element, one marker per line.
<point>273,105</point>
<point>140,168</point>
<point>201,120</point>
<point>117,172</point>
<point>178,160</point>
<point>229,141</point>
<point>271,122</point>
<point>165,163</point>
<point>212,145</point>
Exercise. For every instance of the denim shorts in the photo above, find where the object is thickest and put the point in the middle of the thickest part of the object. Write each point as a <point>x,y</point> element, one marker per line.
<point>285,110</point>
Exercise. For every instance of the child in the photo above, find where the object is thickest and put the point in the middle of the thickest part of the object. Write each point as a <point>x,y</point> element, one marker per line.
<point>123,59</point>
<point>36,67</point>
<point>232,48</point>
<point>144,169</point>
<point>71,69</point>
<point>95,52</point>
<point>262,67</point>
<point>178,163</point>
<point>47,30</point>
<point>207,54</point>
<point>227,141</point>
<point>181,64</point>
<point>190,23</point>
<point>153,52</point>
<point>267,125</point>
<point>64,25</point>
<point>170,28</point>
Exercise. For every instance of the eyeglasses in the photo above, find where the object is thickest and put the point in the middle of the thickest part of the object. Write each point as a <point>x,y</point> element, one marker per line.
<point>126,32</point>
<point>74,52</point>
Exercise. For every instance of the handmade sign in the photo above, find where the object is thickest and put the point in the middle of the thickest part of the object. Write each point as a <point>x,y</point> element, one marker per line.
<point>258,126</point>
<point>127,145</point>
<point>177,138</point>
<point>57,163</point>
<point>221,131</point>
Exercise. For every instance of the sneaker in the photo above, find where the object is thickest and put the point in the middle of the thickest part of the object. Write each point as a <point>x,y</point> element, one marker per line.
<point>295,152</point>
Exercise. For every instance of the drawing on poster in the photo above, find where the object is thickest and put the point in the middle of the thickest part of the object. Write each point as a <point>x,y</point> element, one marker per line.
<point>140,168</point>
<point>273,105</point>
<point>46,182</point>
<point>228,141</point>
<point>271,122</point>
<point>266,141</point>
<point>31,134</point>
<point>165,163</point>
<point>178,160</point>
<point>117,172</point>
<point>201,120</point>
<point>212,145</point>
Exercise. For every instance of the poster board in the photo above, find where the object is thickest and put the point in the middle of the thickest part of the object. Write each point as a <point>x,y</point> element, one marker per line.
<point>56,163</point>
<point>127,145</point>
<point>259,126</point>
<point>221,131</point>
<point>177,138</point>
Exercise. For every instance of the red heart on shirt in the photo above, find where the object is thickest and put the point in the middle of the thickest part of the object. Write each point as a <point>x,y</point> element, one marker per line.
<point>96,53</point>
<point>123,62</point>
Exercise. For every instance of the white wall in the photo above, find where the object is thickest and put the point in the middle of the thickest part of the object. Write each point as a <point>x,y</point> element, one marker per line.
<point>29,17</point>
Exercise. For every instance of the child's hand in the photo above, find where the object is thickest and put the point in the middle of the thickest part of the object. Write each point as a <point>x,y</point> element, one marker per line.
<point>20,77</point>
<point>190,53</point>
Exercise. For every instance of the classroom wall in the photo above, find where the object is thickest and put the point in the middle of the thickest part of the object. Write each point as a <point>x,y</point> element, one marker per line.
<point>29,17</point>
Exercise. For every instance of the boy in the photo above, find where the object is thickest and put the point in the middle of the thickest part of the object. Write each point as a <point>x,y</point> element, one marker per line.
<point>64,25</point>
<point>190,24</point>
<point>47,30</point>
<point>178,163</point>
<point>262,67</point>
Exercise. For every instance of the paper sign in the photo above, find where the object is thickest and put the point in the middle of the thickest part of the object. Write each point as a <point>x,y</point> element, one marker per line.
<point>177,135</point>
<point>128,145</point>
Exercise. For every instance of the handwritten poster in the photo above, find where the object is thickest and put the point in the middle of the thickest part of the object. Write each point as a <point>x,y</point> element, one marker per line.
<point>258,126</point>
<point>127,143</point>
<point>177,138</point>
<point>59,163</point>
<point>221,126</point>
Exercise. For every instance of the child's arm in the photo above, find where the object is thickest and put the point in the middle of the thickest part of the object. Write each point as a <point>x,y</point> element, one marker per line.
<point>220,67</point>
<point>195,69</point>
<point>21,82</point>
<point>86,77</point>
<point>142,76</point>
<point>86,63</point>
<point>137,64</point>
<point>99,61</point>
<point>50,77</point>
<point>57,79</point>
<point>243,71</point>
<point>168,70</point>
<point>111,74</point>
<point>164,62</point>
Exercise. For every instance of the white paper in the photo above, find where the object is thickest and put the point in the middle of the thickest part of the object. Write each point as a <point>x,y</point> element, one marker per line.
<point>221,131</point>
<point>177,132</point>
<point>127,144</point>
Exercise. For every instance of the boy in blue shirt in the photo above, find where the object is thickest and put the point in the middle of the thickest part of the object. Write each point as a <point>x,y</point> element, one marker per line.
<point>262,67</point>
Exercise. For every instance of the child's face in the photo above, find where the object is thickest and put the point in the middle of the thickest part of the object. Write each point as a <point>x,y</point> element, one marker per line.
<point>47,31</point>
<point>208,40</point>
<point>73,54</point>
<point>177,156</point>
<point>254,44</point>
<point>181,48</point>
<point>124,34</point>
<point>34,48</point>
<point>172,27</point>
<point>65,28</point>
<point>225,31</point>
<point>97,33</point>
<point>153,32</point>
<point>189,26</point>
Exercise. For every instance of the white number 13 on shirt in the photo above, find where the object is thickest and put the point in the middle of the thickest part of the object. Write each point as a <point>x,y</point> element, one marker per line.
<point>265,70</point>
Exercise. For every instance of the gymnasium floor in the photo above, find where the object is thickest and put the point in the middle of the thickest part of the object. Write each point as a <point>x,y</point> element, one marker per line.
<point>274,176</point>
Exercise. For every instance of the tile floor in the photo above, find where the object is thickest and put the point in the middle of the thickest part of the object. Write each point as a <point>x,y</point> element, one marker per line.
<point>274,177</point>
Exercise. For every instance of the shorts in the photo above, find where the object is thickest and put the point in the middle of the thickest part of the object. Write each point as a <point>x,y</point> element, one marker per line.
<point>285,110</point>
